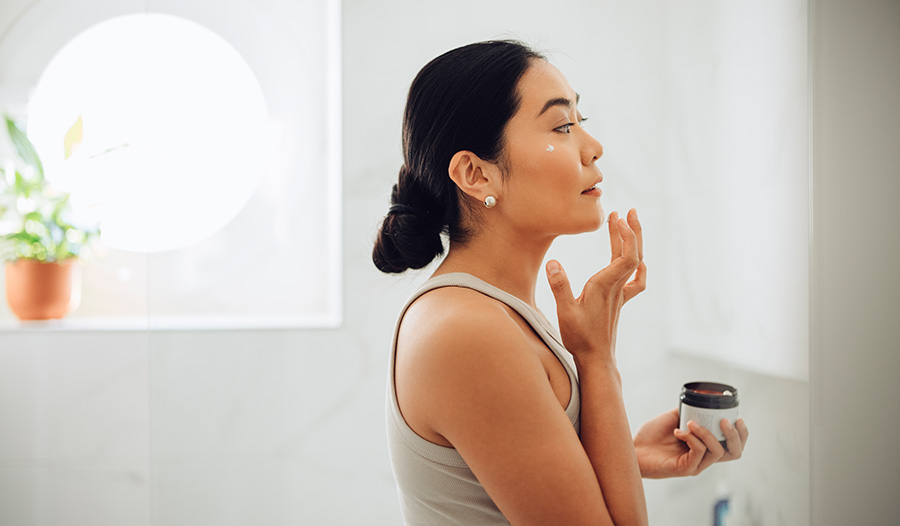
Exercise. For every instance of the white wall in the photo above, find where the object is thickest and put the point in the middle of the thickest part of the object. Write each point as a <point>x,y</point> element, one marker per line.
<point>285,427</point>
<point>856,300</point>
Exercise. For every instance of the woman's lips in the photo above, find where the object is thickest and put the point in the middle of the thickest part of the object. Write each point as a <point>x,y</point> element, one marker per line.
<point>594,191</point>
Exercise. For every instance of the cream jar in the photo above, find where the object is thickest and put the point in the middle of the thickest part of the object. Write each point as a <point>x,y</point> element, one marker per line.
<point>707,403</point>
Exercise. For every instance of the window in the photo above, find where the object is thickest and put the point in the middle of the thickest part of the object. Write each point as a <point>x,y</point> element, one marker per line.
<point>210,155</point>
<point>175,134</point>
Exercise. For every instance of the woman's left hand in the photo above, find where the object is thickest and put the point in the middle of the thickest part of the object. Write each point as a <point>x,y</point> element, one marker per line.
<point>665,451</point>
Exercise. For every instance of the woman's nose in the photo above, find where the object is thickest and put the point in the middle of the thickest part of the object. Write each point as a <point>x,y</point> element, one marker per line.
<point>592,150</point>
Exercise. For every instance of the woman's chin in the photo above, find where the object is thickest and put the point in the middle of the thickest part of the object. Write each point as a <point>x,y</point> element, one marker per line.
<point>599,219</point>
<point>592,226</point>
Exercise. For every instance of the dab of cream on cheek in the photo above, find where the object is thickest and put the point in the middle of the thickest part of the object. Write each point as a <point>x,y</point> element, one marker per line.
<point>549,147</point>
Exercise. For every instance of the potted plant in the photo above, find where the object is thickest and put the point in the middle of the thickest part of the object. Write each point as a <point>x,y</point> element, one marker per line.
<point>38,241</point>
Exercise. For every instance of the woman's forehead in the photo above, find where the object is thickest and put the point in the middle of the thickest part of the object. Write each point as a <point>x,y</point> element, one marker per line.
<point>543,82</point>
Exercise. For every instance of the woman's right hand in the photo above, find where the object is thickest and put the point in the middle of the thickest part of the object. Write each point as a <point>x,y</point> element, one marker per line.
<point>663,450</point>
<point>588,323</point>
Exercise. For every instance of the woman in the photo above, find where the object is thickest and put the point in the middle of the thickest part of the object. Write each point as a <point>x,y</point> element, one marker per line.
<point>487,423</point>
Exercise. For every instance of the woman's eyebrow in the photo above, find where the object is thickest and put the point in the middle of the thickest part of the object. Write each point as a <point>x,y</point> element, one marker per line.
<point>559,101</point>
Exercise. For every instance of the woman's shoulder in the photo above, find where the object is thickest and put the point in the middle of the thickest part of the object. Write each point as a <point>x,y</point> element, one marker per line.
<point>455,336</point>
<point>457,348</point>
<point>445,311</point>
<point>454,326</point>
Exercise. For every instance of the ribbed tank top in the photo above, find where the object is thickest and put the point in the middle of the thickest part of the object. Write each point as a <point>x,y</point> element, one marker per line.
<point>435,485</point>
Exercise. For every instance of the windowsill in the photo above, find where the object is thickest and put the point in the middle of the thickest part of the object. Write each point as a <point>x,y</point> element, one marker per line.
<point>170,324</point>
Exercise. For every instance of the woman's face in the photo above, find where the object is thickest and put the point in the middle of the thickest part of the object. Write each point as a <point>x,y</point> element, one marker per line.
<point>550,159</point>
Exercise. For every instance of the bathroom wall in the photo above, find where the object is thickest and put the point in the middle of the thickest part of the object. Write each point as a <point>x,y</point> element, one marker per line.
<point>286,426</point>
<point>855,418</point>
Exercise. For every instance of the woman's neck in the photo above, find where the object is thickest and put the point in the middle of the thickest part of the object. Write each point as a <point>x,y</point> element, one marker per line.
<point>509,262</point>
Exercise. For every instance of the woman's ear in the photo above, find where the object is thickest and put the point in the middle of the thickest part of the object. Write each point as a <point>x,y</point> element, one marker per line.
<point>474,176</point>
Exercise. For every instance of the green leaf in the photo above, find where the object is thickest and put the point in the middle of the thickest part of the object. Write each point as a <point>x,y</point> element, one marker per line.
<point>24,237</point>
<point>24,147</point>
<point>73,137</point>
<point>22,186</point>
<point>60,206</point>
<point>34,216</point>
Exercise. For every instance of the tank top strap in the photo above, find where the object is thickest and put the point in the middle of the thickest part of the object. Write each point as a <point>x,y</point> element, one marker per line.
<point>462,279</point>
<point>535,319</point>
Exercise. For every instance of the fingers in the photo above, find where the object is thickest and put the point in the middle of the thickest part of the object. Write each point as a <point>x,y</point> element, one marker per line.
<point>615,237</point>
<point>732,440</point>
<point>743,432</point>
<point>628,260</point>
<point>714,450</point>
<point>706,450</point>
<point>559,285</point>
<point>628,248</point>
<point>696,452</point>
<point>638,232</point>
<point>638,284</point>
<point>615,240</point>
<point>624,246</point>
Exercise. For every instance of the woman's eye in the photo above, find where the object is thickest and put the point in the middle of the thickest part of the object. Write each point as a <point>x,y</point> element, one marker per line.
<point>565,128</point>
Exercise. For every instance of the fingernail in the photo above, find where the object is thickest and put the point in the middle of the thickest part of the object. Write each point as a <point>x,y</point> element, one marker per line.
<point>729,425</point>
<point>552,268</point>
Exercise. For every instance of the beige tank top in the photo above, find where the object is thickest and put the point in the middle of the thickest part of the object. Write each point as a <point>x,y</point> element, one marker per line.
<point>436,486</point>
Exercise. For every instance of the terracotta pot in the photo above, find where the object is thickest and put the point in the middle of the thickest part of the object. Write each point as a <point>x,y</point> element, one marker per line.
<point>39,291</point>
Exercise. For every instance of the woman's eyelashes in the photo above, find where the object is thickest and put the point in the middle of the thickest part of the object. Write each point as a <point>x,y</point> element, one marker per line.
<point>567,127</point>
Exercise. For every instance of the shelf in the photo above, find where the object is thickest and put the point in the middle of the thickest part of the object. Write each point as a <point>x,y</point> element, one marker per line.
<point>170,324</point>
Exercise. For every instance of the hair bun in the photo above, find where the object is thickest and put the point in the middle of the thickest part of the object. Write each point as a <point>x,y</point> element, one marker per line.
<point>410,234</point>
<point>400,208</point>
<point>405,242</point>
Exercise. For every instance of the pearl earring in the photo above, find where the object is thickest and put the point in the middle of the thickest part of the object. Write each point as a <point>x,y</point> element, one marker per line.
<point>490,201</point>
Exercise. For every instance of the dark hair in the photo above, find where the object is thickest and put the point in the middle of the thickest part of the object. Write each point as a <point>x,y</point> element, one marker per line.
<point>462,100</point>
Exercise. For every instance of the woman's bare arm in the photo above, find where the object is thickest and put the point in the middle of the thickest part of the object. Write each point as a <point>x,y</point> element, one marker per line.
<point>466,371</point>
<point>588,325</point>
